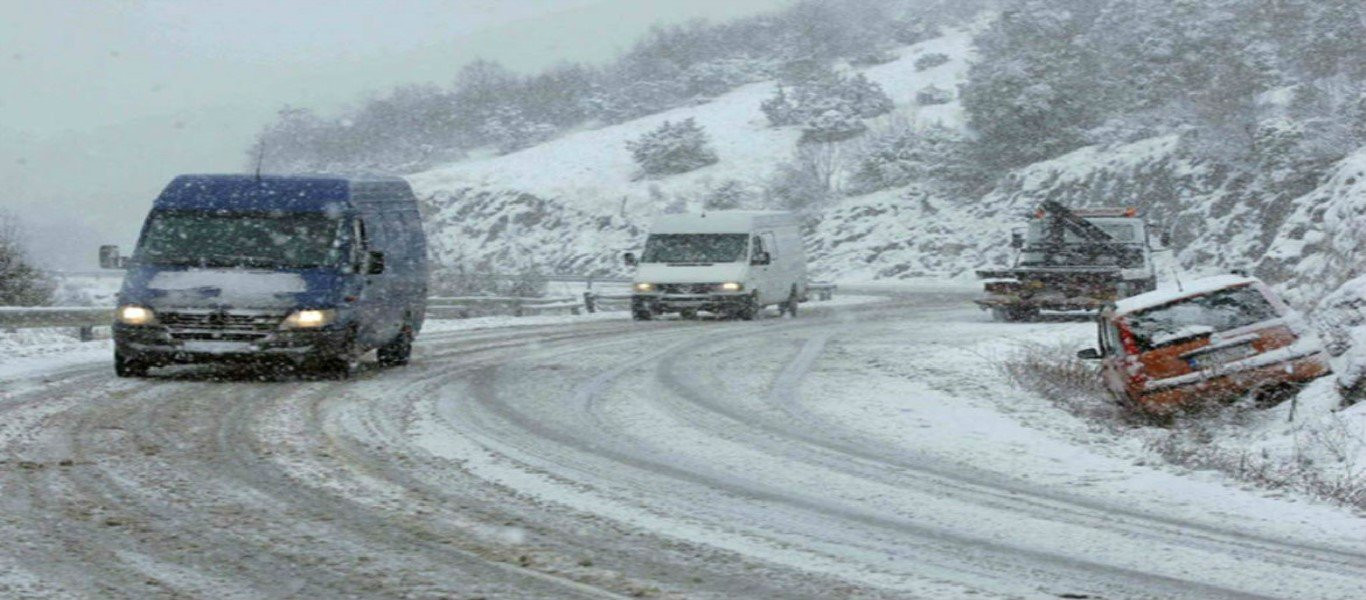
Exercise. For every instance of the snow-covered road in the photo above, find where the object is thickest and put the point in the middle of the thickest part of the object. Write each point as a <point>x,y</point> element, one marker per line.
<point>858,451</point>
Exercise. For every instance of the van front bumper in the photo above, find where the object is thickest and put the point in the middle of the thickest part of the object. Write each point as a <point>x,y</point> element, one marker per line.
<point>665,303</point>
<point>155,344</point>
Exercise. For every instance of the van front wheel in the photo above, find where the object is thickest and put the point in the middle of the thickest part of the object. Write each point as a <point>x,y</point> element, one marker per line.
<point>128,367</point>
<point>790,307</point>
<point>749,308</point>
<point>399,351</point>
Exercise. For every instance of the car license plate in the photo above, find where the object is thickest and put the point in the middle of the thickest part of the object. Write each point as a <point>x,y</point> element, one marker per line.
<point>212,347</point>
<point>1218,357</point>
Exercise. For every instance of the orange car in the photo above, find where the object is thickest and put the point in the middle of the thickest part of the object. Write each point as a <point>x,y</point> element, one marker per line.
<point>1215,340</point>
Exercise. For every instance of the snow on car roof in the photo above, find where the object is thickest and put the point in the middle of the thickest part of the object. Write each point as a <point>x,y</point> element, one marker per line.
<point>1188,289</point>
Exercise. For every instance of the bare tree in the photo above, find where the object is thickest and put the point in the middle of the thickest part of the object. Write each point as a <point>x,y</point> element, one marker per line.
<point>824,161</point>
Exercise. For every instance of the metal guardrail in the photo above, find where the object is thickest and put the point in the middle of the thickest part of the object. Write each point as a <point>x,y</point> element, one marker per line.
<point>590,279</point>
<point>463,307</point>
<point>823,291</point>
<point>86,318</point>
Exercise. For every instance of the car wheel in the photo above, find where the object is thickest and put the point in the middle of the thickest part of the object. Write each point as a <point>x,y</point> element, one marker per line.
<point>399,351</point>
<point>344,362</point>
<point>790,307</point>
<point>129,367</point>
<point>749,308</point>
<point>642,315</point>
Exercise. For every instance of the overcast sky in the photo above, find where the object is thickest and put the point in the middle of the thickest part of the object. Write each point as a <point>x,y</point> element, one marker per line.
<point>101,103</point>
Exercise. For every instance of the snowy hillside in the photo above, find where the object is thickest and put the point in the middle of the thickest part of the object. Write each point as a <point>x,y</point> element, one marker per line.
<point>588,178</point>
<point>574,203</point>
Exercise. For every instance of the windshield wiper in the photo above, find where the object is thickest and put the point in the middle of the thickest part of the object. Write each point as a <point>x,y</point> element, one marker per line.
<point>241,261</point>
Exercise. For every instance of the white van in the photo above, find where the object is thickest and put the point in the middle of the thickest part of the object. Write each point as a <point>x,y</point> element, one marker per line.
<point>731,263</point>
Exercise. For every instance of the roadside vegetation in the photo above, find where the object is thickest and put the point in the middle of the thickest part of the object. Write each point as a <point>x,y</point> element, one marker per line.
<point>487,105</point>
<point>21,283</point>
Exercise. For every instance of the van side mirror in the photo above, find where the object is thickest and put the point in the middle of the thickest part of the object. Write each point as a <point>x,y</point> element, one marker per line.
<point>1165,238</point>
<point>630,259</point>
<point>110,259</point>
<point>1089,354</point>
<point>376,265</point>
<point>761,258</point>
<point>1016,240</point>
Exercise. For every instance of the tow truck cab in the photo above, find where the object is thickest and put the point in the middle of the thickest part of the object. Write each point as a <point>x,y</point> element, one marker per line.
<point>1071,260</point>
<point>311,270</point>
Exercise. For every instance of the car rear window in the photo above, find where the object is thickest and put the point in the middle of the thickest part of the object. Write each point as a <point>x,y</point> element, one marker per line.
<point>1221,310</point>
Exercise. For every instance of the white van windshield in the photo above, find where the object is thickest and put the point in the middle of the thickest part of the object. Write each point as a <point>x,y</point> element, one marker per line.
<point>695,248</point>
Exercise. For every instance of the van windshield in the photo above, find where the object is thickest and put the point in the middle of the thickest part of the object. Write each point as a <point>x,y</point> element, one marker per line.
<point>1207,313</point>
<point>290,240</point>
<point>696,248</point>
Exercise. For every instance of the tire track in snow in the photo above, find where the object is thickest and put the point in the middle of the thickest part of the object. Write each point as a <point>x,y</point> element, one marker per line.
<point>876,462</point>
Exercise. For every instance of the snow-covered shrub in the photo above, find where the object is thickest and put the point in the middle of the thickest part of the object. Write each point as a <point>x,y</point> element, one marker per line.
<point>933,95</point>
<point>779,110</point>
<point>21,283</point>
<point>874,57</point>
<point>716,77</point>
<point>510,130</point>
<point>855,97</point>
<point>1321,453</point>
<point>913,31</point>
<point>1054,372</point>
<point>728,196</point>
<point>672,148</point>
<point>930,61</point>
<point>1340,319</point>
<point>638,98</point>
<point>833,125</point>
<point>904,154</point>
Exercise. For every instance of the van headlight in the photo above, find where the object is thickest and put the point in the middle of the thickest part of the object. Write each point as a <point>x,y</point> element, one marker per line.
<point>309,319</point>
<point>731,286</point>
<point>645,287</point>
<point>132,314</point>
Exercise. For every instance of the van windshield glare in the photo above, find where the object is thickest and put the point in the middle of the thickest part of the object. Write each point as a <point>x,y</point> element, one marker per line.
<point>695,248</point>
<point>290,240</point>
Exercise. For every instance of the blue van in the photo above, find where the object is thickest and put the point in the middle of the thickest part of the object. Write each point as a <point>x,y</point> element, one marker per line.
<point>314,271</point>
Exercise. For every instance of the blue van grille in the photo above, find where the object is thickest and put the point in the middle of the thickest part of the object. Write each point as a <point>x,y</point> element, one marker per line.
<point>219,325</point>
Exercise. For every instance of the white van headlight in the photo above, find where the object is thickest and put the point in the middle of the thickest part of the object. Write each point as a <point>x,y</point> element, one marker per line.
<point>732,286</point>
<point>132,314</point>
<point>309,319</point>
<point>645,287</point>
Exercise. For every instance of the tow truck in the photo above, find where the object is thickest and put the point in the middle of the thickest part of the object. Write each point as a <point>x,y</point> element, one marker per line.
<point>1071,260</point>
